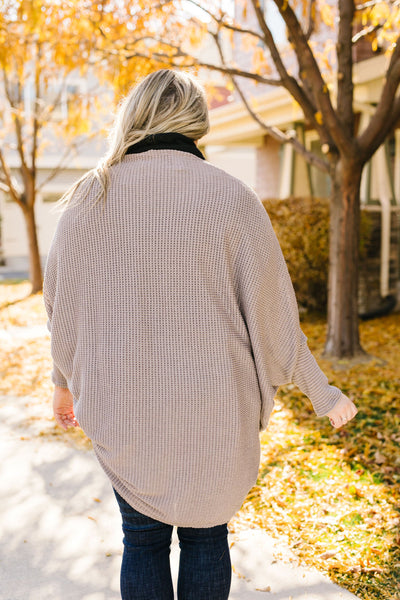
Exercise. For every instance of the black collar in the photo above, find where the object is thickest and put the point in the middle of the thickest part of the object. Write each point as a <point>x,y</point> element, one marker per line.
<point>166,141</point>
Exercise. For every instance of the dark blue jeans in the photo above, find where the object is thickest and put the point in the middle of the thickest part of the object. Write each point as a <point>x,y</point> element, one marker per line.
<point>204,566</point>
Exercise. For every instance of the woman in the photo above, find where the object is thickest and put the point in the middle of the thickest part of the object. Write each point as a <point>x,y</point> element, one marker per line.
<point>173,322</point>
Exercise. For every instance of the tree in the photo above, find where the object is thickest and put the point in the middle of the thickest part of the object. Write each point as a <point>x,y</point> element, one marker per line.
<point>41,45</point>
<point>325,95</point>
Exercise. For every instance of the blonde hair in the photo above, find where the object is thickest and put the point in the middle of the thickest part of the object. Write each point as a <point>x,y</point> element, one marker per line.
<point>163,101</point>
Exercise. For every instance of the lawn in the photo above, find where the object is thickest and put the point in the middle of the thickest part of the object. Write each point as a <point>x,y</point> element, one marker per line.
<point>331,495</point>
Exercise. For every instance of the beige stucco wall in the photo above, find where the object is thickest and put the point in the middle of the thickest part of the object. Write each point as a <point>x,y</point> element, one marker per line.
<point>268,168</point>
<point>238,161</point>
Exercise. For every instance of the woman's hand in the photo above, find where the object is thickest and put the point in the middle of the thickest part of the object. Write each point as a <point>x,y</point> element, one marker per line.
<point>343,411</point>
<point>63,408</point>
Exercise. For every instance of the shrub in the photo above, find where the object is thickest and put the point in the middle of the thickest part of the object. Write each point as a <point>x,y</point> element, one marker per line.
<point>302,228</point>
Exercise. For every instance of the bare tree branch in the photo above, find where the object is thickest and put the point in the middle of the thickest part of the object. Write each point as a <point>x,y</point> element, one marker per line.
<point>309,68</point>
<point>394,117</point>
<point>382,133</point>
<point>311,19</point>
<point>17,122</point>
<point>274,131</point>
<point>303,95</point>
<point>225,24</point>
<point>377,129</point>
<point>70,151</point>
<point>373,3</point>
<point>7,179</point>
<point>167,60</point>
<point>364,32</point>
<point>290,84</point>
<point>48,109</point>
<point>288,81</point>
<point>36,123</point>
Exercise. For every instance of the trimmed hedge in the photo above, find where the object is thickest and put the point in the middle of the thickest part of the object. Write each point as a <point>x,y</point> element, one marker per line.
<point>302,228</point>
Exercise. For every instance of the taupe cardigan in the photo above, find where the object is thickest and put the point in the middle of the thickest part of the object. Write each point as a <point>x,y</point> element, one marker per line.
<point>173,321</point>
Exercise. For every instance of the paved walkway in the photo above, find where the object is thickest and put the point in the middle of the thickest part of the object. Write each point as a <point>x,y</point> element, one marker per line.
<point>61,537</point>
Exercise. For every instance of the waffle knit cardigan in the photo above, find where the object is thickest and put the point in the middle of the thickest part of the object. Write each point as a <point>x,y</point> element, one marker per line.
<point>173,322</point>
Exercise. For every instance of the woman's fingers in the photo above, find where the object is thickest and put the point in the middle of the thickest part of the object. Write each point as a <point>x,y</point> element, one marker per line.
<point>63,408</point>
<point>342,419</point>
<point>343,411</point>
<point>66,420</point>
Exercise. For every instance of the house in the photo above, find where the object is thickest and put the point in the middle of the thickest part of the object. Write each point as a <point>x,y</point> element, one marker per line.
<point>238,144</point>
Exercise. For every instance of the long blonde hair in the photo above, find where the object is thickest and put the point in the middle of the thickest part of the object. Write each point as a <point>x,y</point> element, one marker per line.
<point>163,101</point>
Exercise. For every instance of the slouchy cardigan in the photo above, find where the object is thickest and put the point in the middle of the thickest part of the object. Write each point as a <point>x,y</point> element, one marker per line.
<point>173,322</point>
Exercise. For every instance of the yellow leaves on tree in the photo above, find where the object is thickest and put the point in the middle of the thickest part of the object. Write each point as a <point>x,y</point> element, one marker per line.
<point>318,117</point>
<point>379,13</point>
<point>50,46</point>
<point>327,15</point>
<point>385,18</point>
<point>259,61</point>
<point>44,43</point>
<point>248,42</point>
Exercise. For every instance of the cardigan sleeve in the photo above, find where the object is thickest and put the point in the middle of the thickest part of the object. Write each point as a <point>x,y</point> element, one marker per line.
<point>269,308</point>
<point>49,295</point>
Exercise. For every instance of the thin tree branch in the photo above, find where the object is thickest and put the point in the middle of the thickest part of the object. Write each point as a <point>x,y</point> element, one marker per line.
<point>303,95</point>
<point>394,117</point>
<point>309,68</point>
<point>169,60</point>
<point>17,122</point>
<point>368,141</point>
<point>274,131</point>
<point>7,179</point>
<point>373,3</point>
<point>49,109</point>
<point>364,32</point>
<point>240,73</point>
<point>387,127</point>
<point>36,123</point>
<point>221,22</point>
<point>238,29</point>
<point>311,19</point>
<point>71,150</point>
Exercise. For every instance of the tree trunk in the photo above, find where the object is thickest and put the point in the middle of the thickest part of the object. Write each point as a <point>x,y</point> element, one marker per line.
<point>344,232</point>
<point>35,268</point>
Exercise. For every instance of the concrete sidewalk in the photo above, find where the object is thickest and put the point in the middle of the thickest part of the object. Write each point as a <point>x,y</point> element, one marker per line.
<point>61,533</point>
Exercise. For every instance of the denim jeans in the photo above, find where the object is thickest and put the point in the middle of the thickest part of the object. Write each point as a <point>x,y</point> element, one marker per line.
<point>204,566</point>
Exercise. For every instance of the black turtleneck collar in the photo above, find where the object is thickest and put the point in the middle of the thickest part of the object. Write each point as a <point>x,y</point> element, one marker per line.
<point>166,141</point>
